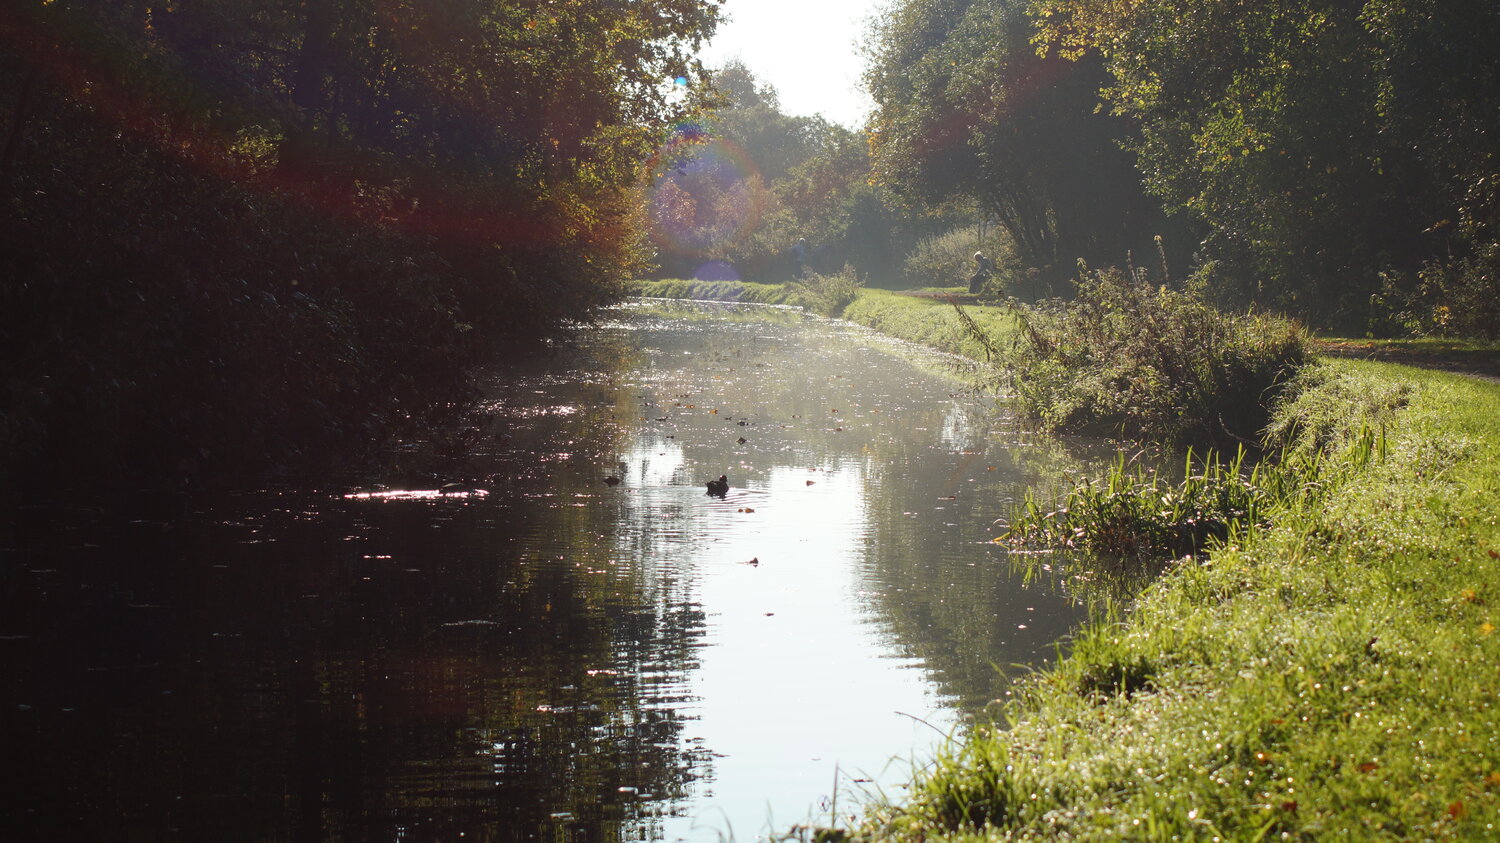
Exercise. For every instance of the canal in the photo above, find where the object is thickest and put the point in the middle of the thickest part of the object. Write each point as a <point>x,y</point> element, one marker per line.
<point>572,640</point>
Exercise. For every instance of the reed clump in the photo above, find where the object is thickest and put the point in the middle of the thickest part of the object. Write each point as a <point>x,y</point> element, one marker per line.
<point>1133,513</point>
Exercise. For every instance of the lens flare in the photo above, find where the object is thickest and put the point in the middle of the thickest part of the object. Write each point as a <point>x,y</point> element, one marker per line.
<point>705,194</point>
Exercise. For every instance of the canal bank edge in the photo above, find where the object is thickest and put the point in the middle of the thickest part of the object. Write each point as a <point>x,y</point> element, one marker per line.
<point>1332,673</point>
<point>925,319</point>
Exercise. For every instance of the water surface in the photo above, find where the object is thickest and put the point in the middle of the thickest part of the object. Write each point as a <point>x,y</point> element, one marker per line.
<point>535,653</point>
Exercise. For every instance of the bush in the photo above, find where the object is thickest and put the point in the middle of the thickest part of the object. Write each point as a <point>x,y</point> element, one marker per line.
<point>1460,299</point>
<point>1126,358</point>
<point>826,294</point>
<point>947,260</point>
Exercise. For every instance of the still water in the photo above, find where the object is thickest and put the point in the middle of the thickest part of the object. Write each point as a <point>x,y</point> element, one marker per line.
<point>539,654</point>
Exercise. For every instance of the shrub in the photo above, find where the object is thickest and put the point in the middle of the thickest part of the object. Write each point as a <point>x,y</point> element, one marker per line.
<point>1127,358</point>
<point>1461,299</point>
<point>826,294</point>
<point>947,260</point>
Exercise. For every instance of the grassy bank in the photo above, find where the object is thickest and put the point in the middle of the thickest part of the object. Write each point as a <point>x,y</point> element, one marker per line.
<point>730,291</point>
<point>927,319</point>
<point>1332,674</point>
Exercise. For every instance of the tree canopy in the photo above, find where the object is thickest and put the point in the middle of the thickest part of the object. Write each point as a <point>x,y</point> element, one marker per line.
<point>1335,159</point>
<point>304,216</point>
<point>967,108</point>
<point>737,191</point>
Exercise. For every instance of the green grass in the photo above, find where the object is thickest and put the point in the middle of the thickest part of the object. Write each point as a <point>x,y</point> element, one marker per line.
<point>931,321</point>
<point>1424,345</point>
<point>1332,675</point>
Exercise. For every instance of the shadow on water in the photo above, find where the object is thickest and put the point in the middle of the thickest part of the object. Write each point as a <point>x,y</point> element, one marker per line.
<point>508,647</point>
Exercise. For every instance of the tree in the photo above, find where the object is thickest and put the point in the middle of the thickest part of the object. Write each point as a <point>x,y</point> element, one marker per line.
<point>748,183</point>
<point>304,218</point>
<point>1326,144</point>
<point>966,108</point>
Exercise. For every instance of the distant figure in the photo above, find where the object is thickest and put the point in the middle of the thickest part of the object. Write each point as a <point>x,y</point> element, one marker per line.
<point>719,488</point>
<point>982,270</point>
<point>799,256</point>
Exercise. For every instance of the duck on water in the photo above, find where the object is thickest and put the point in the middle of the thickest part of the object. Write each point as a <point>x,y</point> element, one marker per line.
<point>719,488</point>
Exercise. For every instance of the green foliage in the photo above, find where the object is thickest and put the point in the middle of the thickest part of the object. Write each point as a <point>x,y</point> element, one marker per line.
<point>965,107</point>
<point>826,294</point>
<point>1450,299</point>
<point>947,259</point>
<point>1325,144</point>
<point>759,181</point>
<point>247,236</point>
<point>1128,358</point>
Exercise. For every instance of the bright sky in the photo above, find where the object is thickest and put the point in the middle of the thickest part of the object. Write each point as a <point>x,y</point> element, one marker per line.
<point>807,49</point>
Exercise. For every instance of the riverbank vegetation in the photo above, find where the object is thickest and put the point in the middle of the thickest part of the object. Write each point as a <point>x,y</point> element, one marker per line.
<point>1322,674</point>
<point>240,237</point>
<point>1124,357</point>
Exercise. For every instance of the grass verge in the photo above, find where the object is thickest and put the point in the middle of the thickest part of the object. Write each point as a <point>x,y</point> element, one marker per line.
<point>1330,674</point>
<point>734,291</point>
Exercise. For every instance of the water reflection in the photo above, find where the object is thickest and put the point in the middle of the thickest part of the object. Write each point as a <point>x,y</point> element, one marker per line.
<point>507,647</point>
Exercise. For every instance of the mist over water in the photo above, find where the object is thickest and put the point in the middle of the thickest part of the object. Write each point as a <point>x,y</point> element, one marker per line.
<point>529,651</point>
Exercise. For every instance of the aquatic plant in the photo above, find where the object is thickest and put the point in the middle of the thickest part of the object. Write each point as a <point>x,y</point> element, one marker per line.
<point>1132,512</point>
